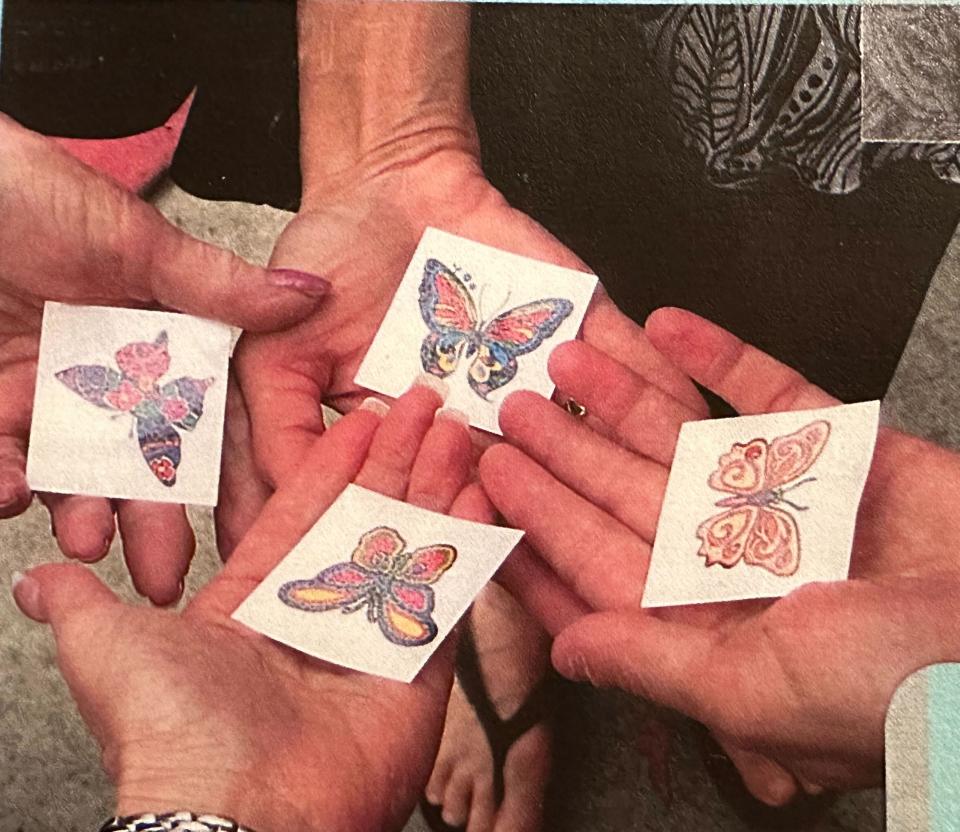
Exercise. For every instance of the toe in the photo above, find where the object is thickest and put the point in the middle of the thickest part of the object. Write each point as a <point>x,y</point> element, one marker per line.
<point>437,786</point>
<point>482,809</point>
<point>456,799</point>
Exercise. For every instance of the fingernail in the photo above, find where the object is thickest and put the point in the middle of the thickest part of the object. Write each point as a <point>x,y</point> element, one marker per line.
<point>438,385</point>
<point>453,414</point>
<point>26,593</point>
<point>309,284</point>
<point>375,405</point>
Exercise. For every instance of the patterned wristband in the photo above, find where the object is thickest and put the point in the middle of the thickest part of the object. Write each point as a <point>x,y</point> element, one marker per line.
<point>172,822</point>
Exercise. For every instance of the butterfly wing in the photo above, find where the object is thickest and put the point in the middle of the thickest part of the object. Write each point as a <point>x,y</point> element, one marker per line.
<point>792,455</point>
<point>93,383</point>
<point>378,548</point>
<point>516,332</point>
<point>774,542</point>
<point>426,565</point>
<point>450,313</point>
<point>724,537</point>
<point>404,616</point>
<point>182,400</point>
<point>743,469</point>
<point>337,586</point>
<point>159,444</point>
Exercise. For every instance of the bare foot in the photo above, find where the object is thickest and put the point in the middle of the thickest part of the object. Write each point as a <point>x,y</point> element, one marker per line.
<point>513,655</point>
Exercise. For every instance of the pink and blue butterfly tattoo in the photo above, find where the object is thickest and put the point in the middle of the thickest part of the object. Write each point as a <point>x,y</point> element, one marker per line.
<point>456,330</point>
<point>135,389</point>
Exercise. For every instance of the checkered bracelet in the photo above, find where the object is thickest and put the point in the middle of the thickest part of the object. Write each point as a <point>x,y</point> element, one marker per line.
<point>172,822</point>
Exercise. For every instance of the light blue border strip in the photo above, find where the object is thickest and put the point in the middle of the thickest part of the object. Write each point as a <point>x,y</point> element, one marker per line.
<point>943,747</point>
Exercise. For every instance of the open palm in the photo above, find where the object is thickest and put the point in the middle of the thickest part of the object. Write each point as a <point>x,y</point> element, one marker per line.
<point>197,711</point>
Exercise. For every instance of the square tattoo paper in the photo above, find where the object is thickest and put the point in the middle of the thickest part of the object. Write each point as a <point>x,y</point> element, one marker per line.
<point>376,584</point>
<point>758,505</point>
<point>129,404</point>
<point>481,318</point>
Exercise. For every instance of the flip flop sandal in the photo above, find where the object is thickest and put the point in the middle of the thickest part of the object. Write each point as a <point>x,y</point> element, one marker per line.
<point>501,733</point>
<point>797,815</point>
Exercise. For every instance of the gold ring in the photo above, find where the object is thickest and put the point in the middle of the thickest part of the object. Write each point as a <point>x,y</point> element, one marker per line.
<point>574,408</point>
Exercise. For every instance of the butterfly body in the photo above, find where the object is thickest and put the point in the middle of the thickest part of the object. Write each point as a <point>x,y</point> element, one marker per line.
<point>457,332</point>
<point>755,527</point>
<point>158,410</point>
<point>392,584</point>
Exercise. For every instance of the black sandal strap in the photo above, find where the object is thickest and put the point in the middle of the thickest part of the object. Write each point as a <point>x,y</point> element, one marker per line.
<point>501,733</point>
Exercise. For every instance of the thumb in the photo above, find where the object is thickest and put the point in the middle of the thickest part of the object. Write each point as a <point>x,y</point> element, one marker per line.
<point>191,276</point>
<point>664,662</point>
<point>56,593</point>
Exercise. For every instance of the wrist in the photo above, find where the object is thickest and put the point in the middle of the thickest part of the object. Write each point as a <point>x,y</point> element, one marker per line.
<point>441,148</point>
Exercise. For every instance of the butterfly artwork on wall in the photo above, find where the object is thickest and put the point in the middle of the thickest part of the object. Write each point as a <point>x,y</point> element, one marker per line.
<point>492,347</point>
<point>755,527</point>
<point>158,409</point>
<point>392,583</point>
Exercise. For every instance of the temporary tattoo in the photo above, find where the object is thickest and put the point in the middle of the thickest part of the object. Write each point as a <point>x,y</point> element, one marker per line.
<point>757,474</point>
<point>157,410</point>
<point>382,576</point>
<point>456,330</point>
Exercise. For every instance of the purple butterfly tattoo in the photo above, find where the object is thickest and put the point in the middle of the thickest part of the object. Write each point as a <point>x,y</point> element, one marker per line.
<point>158,410</point>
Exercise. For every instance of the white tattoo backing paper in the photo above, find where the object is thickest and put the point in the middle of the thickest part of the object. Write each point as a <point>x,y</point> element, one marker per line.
<point>129,404</point>
<point>483,319</point>
<point>376,584</point>
<point>756,506</point>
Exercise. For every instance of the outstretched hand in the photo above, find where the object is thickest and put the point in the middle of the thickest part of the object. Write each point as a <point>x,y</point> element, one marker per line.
<point>71,235</point>
<point>195,711</point>
<point>804,680</point>
<point>362,240</point>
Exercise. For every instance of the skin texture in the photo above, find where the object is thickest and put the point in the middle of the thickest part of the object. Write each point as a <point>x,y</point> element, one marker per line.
<point>71,235</point>
<point>195,710</point>
<point>796,688</point>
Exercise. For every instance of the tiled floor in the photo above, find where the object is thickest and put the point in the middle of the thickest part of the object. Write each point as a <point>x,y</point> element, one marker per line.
<point>50,775</point>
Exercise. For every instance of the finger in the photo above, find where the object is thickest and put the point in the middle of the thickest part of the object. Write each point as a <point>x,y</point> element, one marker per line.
<point>158,545</point>
<point>243,493</point>
<point>538,589</point>
<point>185,274</point>
<point>442,466</point>
<point>642,416</point>
<point>52,593</point>
<point>333,462</point>
<point>749,380</point>
<point>283,392</point>
<point>658,660</point>
<point>83,526</point>
<point>394,448</point>
<point>598,557</point>
<point>625,485</point>
<point>15,494</point>
<point>767,781</point>
<point>606,328</point>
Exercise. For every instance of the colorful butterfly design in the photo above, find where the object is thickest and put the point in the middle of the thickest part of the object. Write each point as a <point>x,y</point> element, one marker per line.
<point>753,527</point>
<point>456,330</point>
<point>392,583</point>
<point>158,411</point>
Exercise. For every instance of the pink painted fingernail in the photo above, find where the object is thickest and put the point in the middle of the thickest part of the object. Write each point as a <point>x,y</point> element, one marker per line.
<point>438,385</point>
<point>454,414</point>
<point>306,282</point>
<point>375,405</point>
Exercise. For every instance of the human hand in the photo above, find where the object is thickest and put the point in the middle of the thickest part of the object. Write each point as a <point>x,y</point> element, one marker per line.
<point>71,235</point>
<point>803,680</point>
<point>362,239</point>
<point>195,711</point>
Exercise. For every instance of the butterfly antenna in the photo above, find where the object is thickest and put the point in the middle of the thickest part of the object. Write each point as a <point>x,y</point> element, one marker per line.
<point>798,484</point>
<point>794,505</point>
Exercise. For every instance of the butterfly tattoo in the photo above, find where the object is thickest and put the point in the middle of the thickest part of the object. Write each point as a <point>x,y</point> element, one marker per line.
<point>758,474</point>
<point>456,330</point>
<point>381,575</point>
<point>135,389</point>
